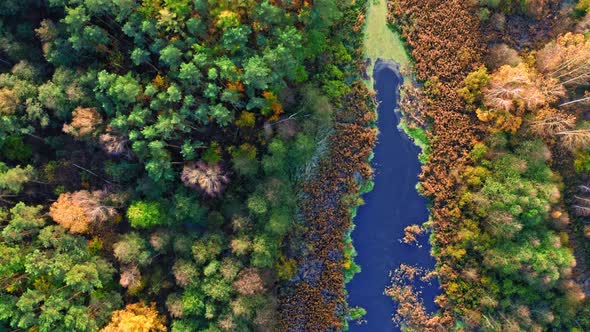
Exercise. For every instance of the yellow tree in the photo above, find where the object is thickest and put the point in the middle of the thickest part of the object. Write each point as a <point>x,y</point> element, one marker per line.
<point>8,101</point>
<point>136,317</point>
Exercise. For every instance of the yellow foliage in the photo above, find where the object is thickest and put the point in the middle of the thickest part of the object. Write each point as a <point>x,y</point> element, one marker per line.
<point>136,317</point>
<point>246,120</point>
<point>456,252</point>
<point>227,19</point>
<point>474,176</point>
<point>159,82</point>
<point>8,101</point>
<point>286,268</point>
<point>42,285</point>
<point>452,287</point>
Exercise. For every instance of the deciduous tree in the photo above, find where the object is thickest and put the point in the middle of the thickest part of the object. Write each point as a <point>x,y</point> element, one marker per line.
<point>207,178</point>
<point>79,210</point>
<point>136,317</point>
<point>132,248</point>
<point>84,122</point>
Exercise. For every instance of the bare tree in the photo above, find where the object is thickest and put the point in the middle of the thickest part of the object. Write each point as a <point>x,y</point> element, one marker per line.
<point>130,277</point>
<point>206,177</point>
<point>113,143</point>
<point>513,87</point>
<point>574,139</point>
<point>567,59</point>
<point>582,206</point>
<point>549,122</point>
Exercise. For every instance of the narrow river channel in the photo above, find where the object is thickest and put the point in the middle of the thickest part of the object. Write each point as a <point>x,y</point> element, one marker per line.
<point>389,208</point>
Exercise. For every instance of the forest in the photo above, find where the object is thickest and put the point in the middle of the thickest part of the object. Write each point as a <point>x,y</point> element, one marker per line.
<point>196,165</point>
<point>161,159</point>
<point>506,163</point>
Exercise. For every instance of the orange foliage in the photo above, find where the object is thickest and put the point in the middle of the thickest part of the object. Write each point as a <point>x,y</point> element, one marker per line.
<point>566,59</point>
<point>275,105</point>
<point>438,31</point>
<point>160,82</point>
<point>84,122</point>
<point>236,86</point>
<point>550,121</point>
<point>411,232</point>
<point>410,309</point>
<point>327,215</point>
<point>79,210</point>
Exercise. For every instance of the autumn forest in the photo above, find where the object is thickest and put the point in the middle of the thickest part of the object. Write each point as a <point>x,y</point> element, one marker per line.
<point>196,165</point>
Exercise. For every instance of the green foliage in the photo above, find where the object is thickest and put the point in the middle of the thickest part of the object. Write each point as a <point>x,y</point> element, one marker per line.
<point>122,89</point>
<point>523,258</point>
<point>186,208</point>
<point>15,149</point>
<point>212,154</point>
<point>207,248</point>
<point>257,75</point>
<point>582,161</point>
<point>244,160</point>
<point>257,204</point>
<point>171,56</point>
<point>25,223</point>
<point>132,248</point>
<point>142,214</point>
<point>264,252</point>
<point>13,179</point>
<point>174,81</point>
<point>51,278</point>
<point>357,313</point>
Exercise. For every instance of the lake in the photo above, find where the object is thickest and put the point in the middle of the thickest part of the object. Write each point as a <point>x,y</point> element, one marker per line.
<point>392,205</point>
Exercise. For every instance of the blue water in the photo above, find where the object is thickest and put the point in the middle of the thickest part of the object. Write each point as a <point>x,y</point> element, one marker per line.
<point>389,208</point>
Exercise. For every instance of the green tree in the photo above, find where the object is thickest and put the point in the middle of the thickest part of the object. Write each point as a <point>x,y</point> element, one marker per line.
<point>25,223</point>
<point>51,282</point>
<point>264,252</point>
<point>244,160</point>
<point>13,179</point>
<point>171,56</point>
<point>474,83</point>
<point>207,248</point>
<point>142,214</point>
<point>132,248</point>
<point>256,73</point>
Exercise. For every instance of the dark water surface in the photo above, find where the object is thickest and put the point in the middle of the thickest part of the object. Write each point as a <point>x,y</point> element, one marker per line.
<point>389,208</point>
